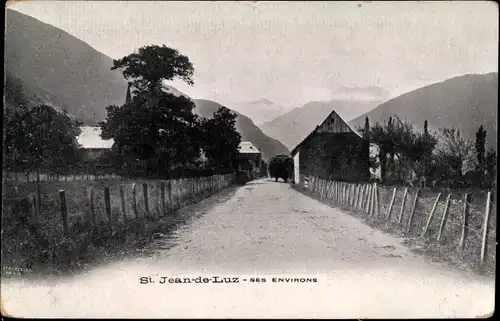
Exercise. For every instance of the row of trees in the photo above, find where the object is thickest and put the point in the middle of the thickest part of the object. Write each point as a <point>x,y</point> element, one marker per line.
<point>155,133</point>
<point>38,138</point>
<point>441,156</point>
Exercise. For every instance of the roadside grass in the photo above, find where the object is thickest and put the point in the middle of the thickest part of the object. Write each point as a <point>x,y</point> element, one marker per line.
<point>445,250</point>
<point>36,242</point>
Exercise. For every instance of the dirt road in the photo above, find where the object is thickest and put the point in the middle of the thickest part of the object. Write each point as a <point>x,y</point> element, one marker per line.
<point>263,230</point>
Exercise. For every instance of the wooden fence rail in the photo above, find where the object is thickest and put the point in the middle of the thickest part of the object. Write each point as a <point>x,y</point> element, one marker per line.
<point>168,196</point>
<point>366,198</point>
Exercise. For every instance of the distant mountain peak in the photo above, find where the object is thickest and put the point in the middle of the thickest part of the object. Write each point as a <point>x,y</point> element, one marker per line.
<point>464,102</point>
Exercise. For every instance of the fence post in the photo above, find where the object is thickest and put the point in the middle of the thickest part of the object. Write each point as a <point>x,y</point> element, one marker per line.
<point>359,197</point>
<point>349,194</point>
<point>369,199</point>
<point>443,220</point>
<point>345,194</point>
<point>146,198</point>
<point>356,195</point>
<point>34,210</point>
<point>370,204</point>
<point>391,204</point>
<point>64,210</point>
<point>158,200</point>
<point>365,195</point>
<point>353,194</point>
<point>464,223</point>
<point>415,200</point>
<point>169,194</point>
<point>134,199</point>
<point>372,199</point>
<point>485,227</point>
<point>162,191</point>
<point>92,206</point>
<point>122,198</point>
<point>38,196</point>
<point>377,204</point>
<point>431,214</point>
<point>107,203</point>
<point>403,203</point>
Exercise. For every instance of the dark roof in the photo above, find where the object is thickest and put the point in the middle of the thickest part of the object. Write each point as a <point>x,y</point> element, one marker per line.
<point>294,151</point>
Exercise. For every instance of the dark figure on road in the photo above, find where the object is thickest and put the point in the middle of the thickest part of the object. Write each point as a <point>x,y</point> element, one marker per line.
<point>281,166</point>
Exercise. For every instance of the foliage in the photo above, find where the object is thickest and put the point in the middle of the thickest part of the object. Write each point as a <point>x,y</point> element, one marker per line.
<point>40,138</point>
<point>221,139</point>
<point>157,131</point>
<point>452,145</point>
<point>281,166</point>
<point>150,65</point>
<point>480,147</point>
<point>401,149</point>
<point>160,134</point>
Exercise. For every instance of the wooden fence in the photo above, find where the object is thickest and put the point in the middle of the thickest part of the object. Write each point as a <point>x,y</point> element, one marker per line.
<point>465,223</point>
<point>116,203</point>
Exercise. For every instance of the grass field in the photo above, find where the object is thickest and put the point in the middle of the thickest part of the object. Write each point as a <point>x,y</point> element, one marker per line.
<point>33,236</point>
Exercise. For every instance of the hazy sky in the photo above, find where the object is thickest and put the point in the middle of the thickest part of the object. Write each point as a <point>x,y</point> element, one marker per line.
<point>293,52</point>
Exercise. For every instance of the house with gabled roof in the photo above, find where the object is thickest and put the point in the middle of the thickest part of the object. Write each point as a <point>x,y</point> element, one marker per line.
<point>334,151</point>
<point>250,153</point>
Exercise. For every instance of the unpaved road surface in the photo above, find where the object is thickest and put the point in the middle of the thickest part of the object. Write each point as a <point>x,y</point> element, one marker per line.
<point>262,230</point>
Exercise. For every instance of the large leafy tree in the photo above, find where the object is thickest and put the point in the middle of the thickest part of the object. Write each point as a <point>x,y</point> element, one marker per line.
<point>41,139</point>
<point>154,127</point>
<point>221,139</point>
<point>151,65</point>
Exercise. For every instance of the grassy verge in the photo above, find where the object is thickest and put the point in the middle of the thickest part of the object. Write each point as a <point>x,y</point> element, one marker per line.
<point>35,242</point>
<point>447,248</point>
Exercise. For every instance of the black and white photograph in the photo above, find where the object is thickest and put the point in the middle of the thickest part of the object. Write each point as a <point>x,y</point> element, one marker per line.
<point>249,159</point>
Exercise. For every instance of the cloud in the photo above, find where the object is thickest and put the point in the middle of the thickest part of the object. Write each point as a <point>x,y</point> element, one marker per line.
<point>363,93</point>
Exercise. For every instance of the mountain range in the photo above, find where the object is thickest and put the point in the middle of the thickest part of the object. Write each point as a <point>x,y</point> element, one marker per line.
<point>260,111</point>
<point>292,127</point>
<point>463,102</point>
<point>58,69</point>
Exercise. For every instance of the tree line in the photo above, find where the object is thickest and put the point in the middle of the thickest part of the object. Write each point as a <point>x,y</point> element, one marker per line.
<point>155,132</point>
<point>440,157</point>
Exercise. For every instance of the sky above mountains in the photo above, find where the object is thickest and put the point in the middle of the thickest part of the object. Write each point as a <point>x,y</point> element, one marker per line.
<point>293,52</point>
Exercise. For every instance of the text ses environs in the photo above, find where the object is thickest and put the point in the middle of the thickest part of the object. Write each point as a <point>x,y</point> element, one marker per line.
<point>219,279</point>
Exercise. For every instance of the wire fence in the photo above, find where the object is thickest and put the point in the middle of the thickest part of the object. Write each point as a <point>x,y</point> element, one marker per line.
<point>464,223</point>
<point>40,218</point>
